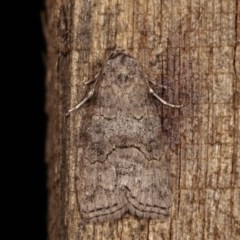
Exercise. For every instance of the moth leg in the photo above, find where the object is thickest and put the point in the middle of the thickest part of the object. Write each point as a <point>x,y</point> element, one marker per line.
<point>90,94</point>
<point>162,100</point>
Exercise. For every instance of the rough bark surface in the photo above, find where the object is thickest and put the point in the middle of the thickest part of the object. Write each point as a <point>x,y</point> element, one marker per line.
<point>191,46</point>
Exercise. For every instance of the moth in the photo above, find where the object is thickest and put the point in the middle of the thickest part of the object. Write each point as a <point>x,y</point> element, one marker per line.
<point>120,167</point>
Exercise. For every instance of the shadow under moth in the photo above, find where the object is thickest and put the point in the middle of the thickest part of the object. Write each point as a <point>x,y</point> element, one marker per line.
<point>119,167</point>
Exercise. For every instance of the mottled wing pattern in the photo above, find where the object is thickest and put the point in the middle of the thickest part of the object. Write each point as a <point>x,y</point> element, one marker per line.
<point>120,157</point>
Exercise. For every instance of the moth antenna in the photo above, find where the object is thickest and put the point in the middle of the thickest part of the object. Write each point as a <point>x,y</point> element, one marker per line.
<point>92,80</point>
<point>90,94</point>
<point>89,81</point>
<point>158,97</point>
<point>163,101</point>
<point>155,84</point>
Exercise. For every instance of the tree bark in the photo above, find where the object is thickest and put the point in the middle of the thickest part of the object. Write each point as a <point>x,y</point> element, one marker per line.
<point>196,45</point>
